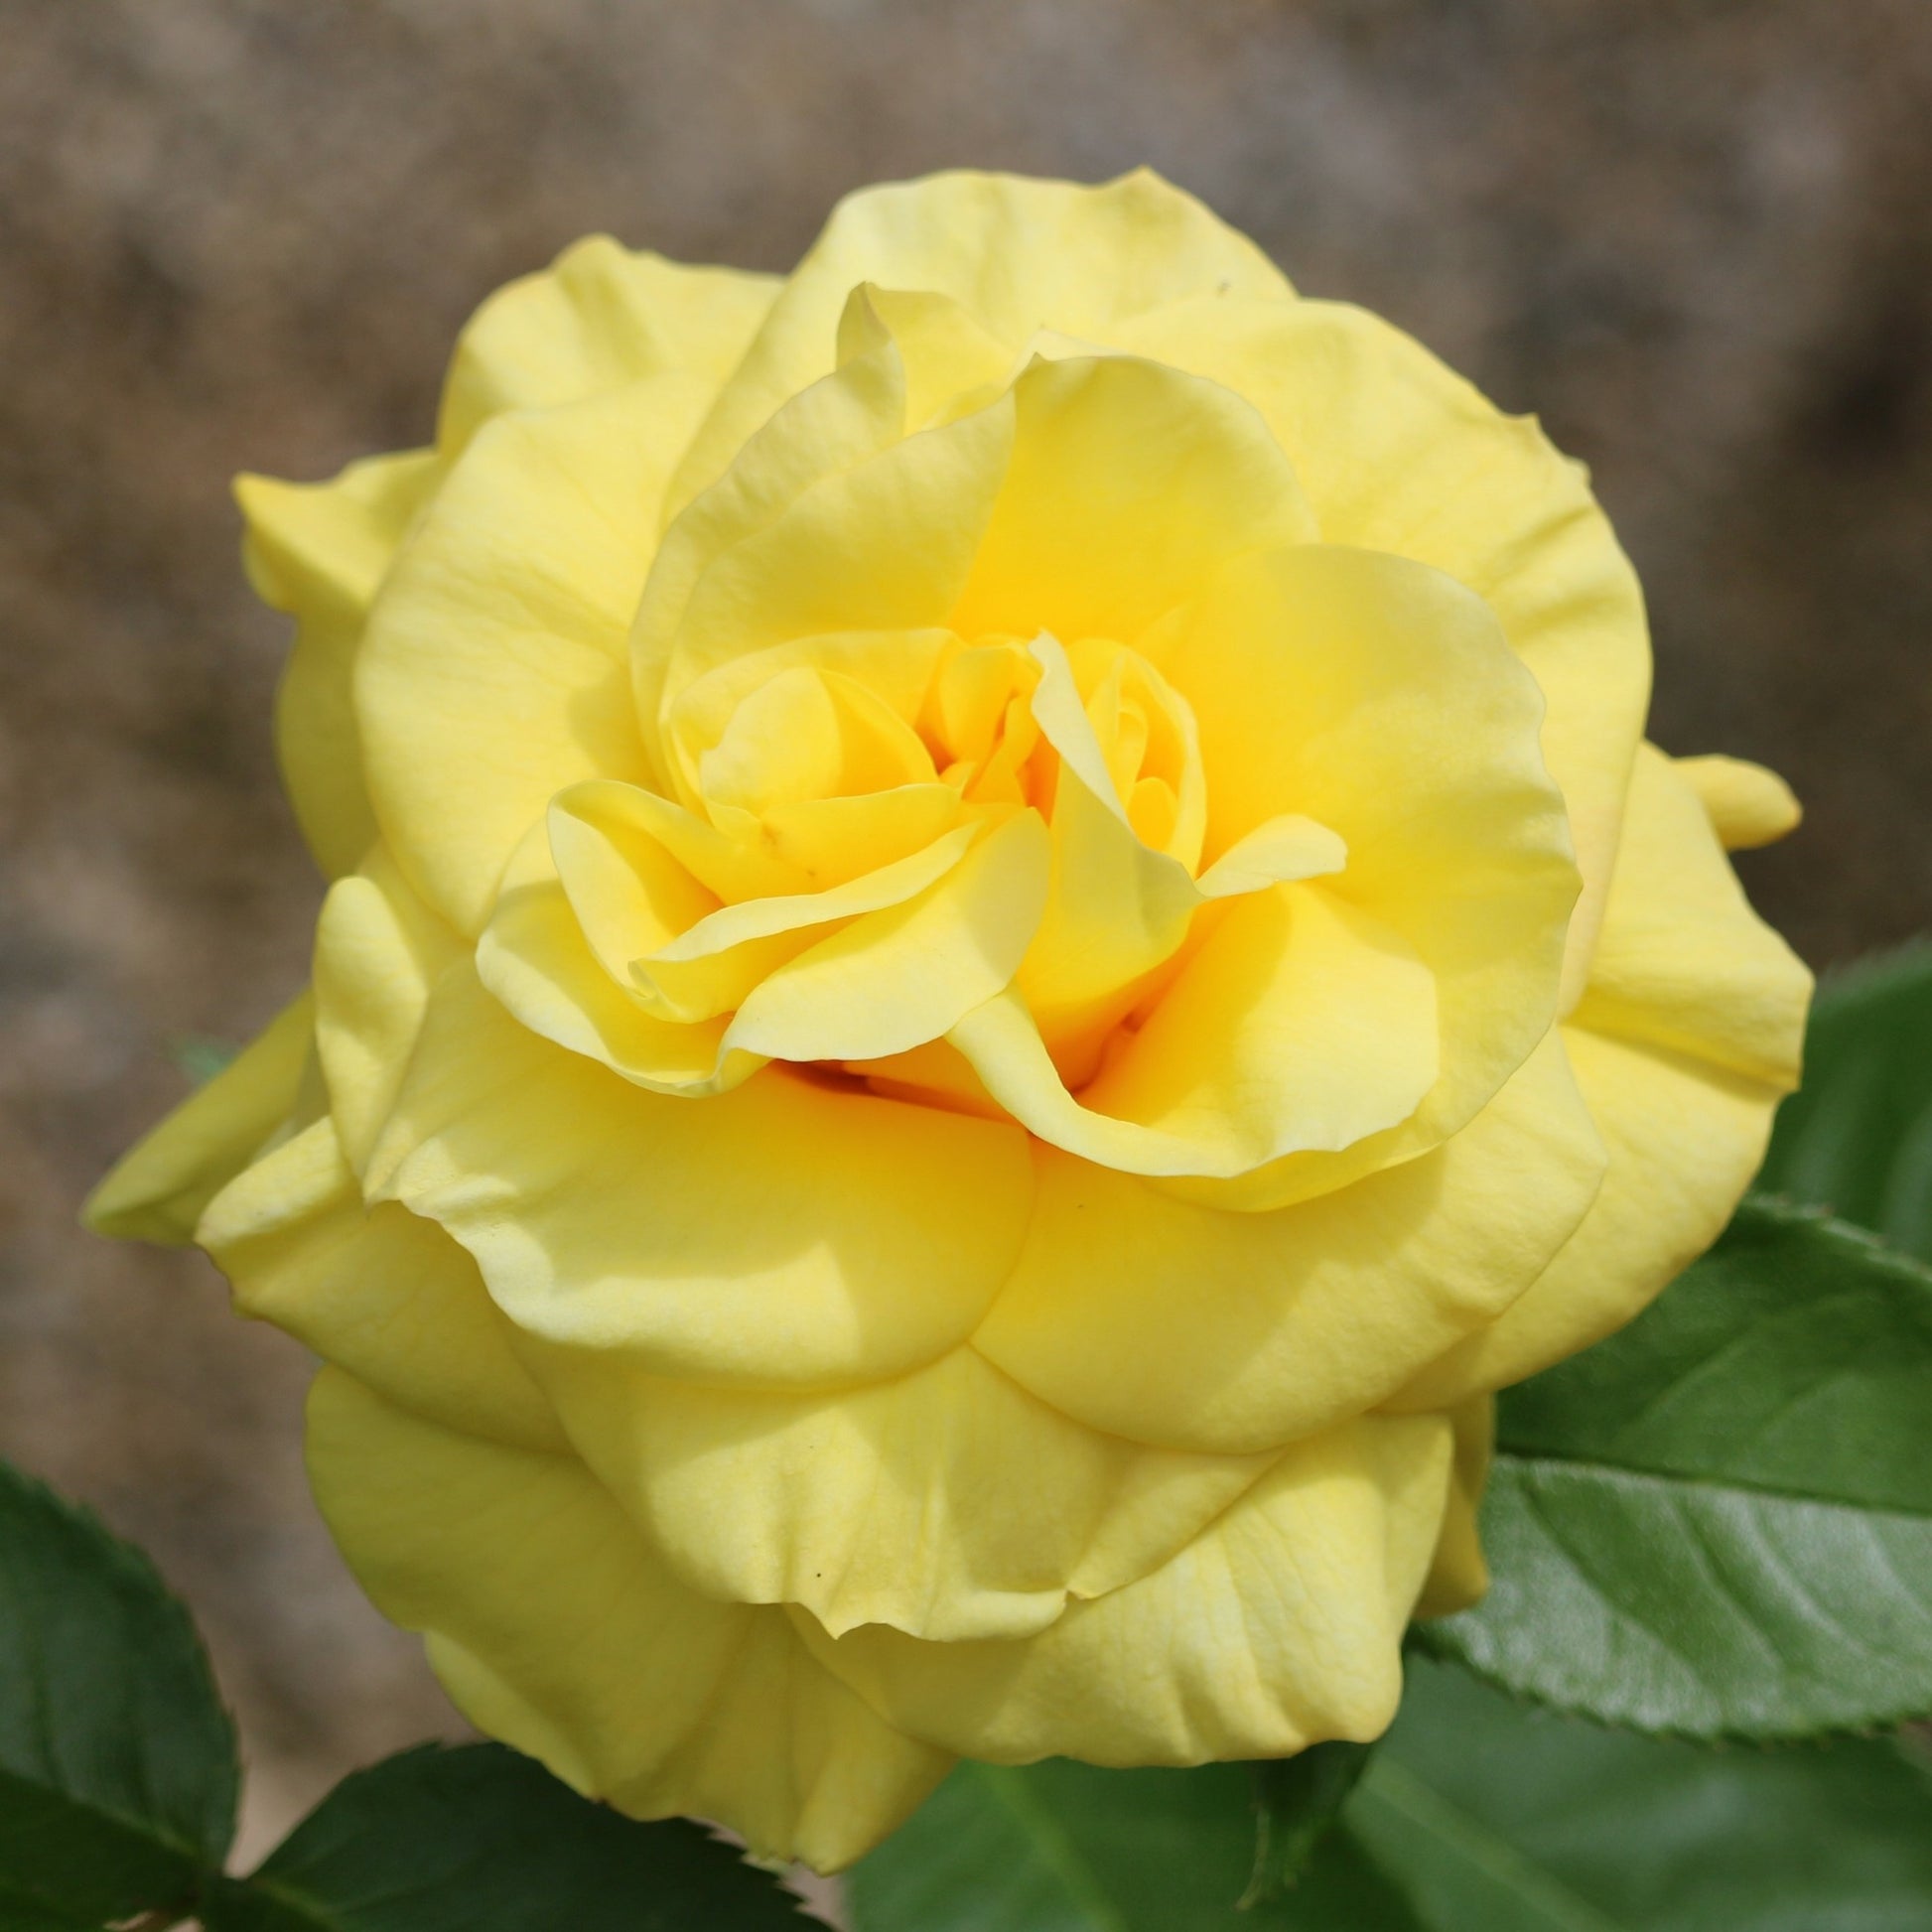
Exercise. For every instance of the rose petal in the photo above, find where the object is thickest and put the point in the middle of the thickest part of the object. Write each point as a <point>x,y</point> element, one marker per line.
<point>553,1627</point>
<point>1199,1328</point>
<point>1279,1626</point>
<point>788,1232</point>
<point>947,1502</point>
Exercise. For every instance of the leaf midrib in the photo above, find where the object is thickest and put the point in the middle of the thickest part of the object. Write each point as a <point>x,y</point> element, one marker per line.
<point>1599,1463</point>
<point>1421,1807</point>
<point>1051,1843</point>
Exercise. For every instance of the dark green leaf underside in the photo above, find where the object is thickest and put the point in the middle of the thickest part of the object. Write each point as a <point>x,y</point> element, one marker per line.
<point>1858,1135</point>
<point>1068,1847</point>
<point>117,1766</point>
<point>1500,1818</point>
<point>482,1840</point>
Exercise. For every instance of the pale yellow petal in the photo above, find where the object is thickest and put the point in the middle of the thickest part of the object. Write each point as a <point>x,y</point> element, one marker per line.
<point>851,414</point>
<point>320,552</point>
<point>787,1232</point>
<point>373,1289</point>
<point>160,1186</point>
<point>1277,1628</point>
<point>554,1628</point>
<point>378,951</point>
<point>1682,1052</point>
<point>1398,453</point>
<point>1301,1022</point>
<point>947,1502</point>
<point>1017,254</point>
<point>947,353</point>
<point>1683,1139</point>
<point>534,958</point>
<point>1747,804</point>
<point>1206,1329</point>
<point>599,317</point>
<point>883,545</point>
<point>1380,698</point>
<point>891,980</point>
<point>1459,1575</point>
<point>1683,962</point>
<point>495,669</point>
<point>1130,485</point>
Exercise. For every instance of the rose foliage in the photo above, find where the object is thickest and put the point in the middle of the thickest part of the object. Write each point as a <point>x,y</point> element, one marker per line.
<point>1002,935</point>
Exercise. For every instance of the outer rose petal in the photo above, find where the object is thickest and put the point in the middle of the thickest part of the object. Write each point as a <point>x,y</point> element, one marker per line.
<point>947,1503</point>
<point>1281,1625</point>
<point>1398,453</point>
<point>788,1232</point>
<point>376,1291</point>
<point>1019,255</point>
<point>1206,1330</point>
<point>1683,1055</point>
<point>553,1627</point>
<point>1381,698</point>
<point>600,318</point>
<point>320,551</point>
<point>1747,805</point>
<point>1459,1575</point>
<point>494,671</point>
<point>160,1186</point>
<point>378,951</point>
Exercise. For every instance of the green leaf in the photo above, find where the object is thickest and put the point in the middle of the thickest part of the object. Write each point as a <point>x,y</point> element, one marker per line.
<point>1061,1847</point>
<point>117,1762</point>
<point>1502,1818</point>
<point>1719,1522</point>
<point>482,1840</point>
<point>1298,1800</point>
<point>1857,1137</point>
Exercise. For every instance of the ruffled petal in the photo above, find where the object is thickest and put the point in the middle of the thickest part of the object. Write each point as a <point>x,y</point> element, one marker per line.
<point>602,316</point>
<point>1277,1628</point>
<point>792,1231</point>
<point>373,1289</point>
<point>378,950</point>
<point>320,552</point>
<point>1683,962</point>
<point>1204,1329</point>
<point>853,413</point>
<point>1017,254</point>
<point>947,1503</point>
<point>1130,485</point>
<point>553,1627</point>
<point>885,545</point>
<point>1299,1022</point>
<point>1379,697</point>
<point>160,1186</point>
<point>894,979</point>
<point>1682,1051</point>
<point>494,670</point>
<point>1398,453</point>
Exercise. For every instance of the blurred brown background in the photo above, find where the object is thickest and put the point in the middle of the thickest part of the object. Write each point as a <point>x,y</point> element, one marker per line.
<point>1696,237</point>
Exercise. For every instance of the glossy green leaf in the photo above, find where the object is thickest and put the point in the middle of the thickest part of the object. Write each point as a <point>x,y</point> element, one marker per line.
<point>1719,1522</point>
<point>1499,1817</point>
<point>482,1840</point>
<point>1857,1137</point>
<point>117,1762</point>
<point>1068,1847</point>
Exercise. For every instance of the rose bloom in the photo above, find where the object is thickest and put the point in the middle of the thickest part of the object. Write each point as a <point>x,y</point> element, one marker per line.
<point>1001,936</point>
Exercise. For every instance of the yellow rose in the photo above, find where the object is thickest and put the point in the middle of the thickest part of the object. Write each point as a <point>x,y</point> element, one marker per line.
<point>1001,938</point>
